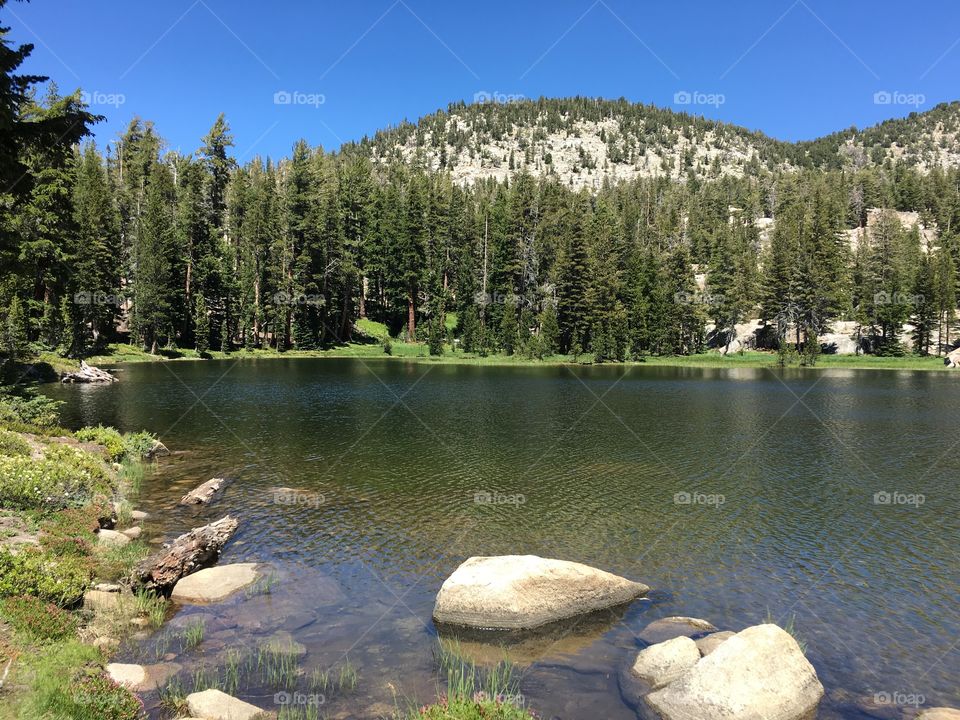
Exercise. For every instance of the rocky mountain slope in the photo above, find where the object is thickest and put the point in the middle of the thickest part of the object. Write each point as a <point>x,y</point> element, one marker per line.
<point>586,142</point>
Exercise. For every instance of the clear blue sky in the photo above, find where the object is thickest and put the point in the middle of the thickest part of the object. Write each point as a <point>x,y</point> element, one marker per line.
<point>794,69</point>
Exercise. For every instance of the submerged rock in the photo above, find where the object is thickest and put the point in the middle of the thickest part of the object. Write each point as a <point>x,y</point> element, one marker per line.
<point>758,674</point>
<point>671,627</point>
<point>204,493</point>
<point>661,664</point>
<point>215,705</point>
<point>213,584</point>
<point>514,592</point>
<point>711,642</point>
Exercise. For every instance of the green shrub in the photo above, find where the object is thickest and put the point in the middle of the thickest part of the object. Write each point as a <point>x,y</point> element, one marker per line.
<point>106,436</point>
<point>37,619</point>
<point>59,580</point>
<point>65,477</point>
<point>138,445</point>
<point>71,532</point>
<point>97,697</point>
<point>12,444</point>
<point>29,409</point>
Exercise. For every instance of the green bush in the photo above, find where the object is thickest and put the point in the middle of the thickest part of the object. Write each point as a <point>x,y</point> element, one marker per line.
<point>97,697</point>
<point>138,445</point>
<point>106,436</point>
<point>71,532</point>
<point>59,580</point>
<point>12,444</point>
<point>64,477</point>
<point>37,619</point>
<point>30,409</point>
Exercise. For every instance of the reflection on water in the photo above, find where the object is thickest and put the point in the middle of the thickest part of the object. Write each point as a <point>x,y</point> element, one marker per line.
<point>735,494</point>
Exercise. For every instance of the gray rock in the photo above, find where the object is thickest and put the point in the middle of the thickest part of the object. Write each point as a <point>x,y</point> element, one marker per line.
<point>133,533</point>
<point>670,627</point>
<point>98,600</point>
<point>138,515</point>
<point>111,537</point>
<point>711,642</point>
<point>661,664</point>
<point>215,705</point>
<point>107,587</point>
<point>214,584</point>
<point>511,592</point>
<point>758,674</point>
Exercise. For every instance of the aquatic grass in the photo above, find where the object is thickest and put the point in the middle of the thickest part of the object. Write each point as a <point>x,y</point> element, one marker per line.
<point>278,668</point>
<point>173,697</point>
<point>310,711</point>
<point>154,607</point>
<point>193,635</point>
<point>348,678</point>
<point>262,586</point>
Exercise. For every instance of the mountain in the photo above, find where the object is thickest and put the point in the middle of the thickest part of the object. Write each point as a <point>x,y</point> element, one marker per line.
<point>586,142</point>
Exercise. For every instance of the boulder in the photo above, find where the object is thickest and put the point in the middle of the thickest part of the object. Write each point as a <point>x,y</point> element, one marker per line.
<point>758,674</point>
<point>670,627</point>
<point>513,592</point>
<point>138,515</point>
<point>131,676</point>
<point>133,533</point>
<point>215,705</point>
<point>214,584</point>
<point>940,713</point>
<point>108,587</point>
<point>111,537</point>
<point>661,664</point>
<point>711,642</point>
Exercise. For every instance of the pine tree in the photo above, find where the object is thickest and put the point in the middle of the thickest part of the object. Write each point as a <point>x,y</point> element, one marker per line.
<point>15,331</point>
<point>201,325</point>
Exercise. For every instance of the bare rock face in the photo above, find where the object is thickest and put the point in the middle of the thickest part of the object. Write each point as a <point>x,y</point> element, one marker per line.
<point>215,705</point>
<point>758,674</point>
<point>214,584</point>
<point>661,664</point>
<point>670,627</point>
<point>204,493</point>
<point>187,554</point>
<point>513,592</point>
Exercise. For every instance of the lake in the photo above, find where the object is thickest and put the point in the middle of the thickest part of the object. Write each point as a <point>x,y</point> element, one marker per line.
<point>825,497</point>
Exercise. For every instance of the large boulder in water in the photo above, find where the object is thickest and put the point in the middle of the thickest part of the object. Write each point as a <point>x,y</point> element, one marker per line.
<point>517,592</point>
<point>758,674</point>
<point>661,664</point>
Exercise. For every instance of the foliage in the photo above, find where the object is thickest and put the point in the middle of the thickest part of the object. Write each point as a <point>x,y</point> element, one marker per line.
<point>29,408</point>
<point>50,578</point>
<point>39,620</point>
<point>12,443</point>
<point>64,477</point>
<point>110,438</point>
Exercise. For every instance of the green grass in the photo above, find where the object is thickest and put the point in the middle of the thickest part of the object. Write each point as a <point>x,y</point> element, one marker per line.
<point>193,635</point>
<point>418,352</point>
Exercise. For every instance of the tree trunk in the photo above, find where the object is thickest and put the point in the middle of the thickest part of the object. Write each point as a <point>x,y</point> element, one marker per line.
<point>188,553</point>
<point>411,318</point>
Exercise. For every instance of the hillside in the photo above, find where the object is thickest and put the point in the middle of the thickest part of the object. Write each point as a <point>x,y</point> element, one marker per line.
<point>585,142</point>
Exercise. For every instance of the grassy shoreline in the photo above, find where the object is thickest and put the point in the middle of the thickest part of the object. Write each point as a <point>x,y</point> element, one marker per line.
<point>119,355</point>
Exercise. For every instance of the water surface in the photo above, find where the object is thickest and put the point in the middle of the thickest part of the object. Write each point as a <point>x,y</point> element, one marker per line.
<point>393,464</point>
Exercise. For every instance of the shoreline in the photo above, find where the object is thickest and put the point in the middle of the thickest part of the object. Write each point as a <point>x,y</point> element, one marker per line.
<point>121,355</point>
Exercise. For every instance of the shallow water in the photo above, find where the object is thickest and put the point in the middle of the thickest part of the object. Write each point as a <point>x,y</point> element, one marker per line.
<point>393,464</point>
